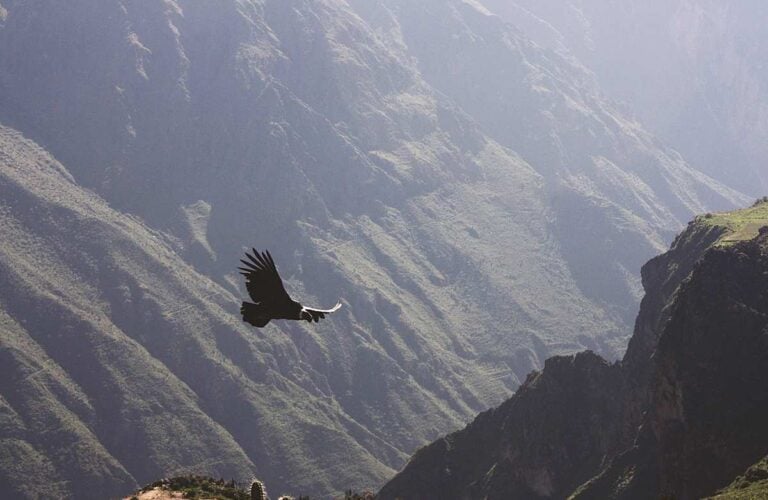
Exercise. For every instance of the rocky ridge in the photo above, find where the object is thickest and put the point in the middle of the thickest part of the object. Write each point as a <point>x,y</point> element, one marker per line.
<point>681,415</point>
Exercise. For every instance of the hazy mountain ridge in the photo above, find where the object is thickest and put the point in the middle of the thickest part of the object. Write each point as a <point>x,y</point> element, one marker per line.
<point>680,416</point>
<point>710,102</point>
<point>636,192</point>
<point>329,133</point>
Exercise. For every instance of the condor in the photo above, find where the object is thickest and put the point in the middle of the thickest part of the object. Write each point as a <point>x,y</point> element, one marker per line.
<point>270,300</point>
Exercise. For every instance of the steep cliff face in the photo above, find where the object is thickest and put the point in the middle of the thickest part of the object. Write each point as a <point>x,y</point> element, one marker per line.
<point>708,391</point>
<point>710,401</point>
<point>681,415</point>
<point>662,277</point>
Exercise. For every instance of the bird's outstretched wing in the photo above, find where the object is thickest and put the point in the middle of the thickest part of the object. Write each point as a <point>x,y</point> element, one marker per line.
<point>318,314</point>
<point>262,280</point>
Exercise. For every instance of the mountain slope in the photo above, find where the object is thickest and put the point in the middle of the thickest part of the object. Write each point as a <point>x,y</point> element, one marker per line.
<point>689,70</point>
<point>344,114</point>
<point>752,484</point>
<point>461,217</point>
<point>708,390</point>
<point>125,364</point>
<point>543,442</point>
<point>606,178</point>
<point>684,427</point>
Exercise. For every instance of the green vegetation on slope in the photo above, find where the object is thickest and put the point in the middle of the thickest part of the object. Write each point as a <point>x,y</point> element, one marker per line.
<point>752,485</point>
<point>119,364</point>
<point>740,225</point>
<point>194,487</point>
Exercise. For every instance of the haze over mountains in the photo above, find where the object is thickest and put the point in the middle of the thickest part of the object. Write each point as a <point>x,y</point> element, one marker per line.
<point>473,196</point>
<point>692,70</point>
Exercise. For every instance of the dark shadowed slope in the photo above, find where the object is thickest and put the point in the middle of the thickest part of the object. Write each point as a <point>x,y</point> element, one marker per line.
<point>708,404</point>
<point>680,419</point>
<point>552,435</point>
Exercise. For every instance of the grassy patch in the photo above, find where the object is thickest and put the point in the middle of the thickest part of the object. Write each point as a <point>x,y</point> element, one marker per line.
<point>753,484</point>
<point>741,225</point>
<point>194,487</point>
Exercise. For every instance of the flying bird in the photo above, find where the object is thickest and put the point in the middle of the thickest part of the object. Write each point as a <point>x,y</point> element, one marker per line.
<point>270,300</point>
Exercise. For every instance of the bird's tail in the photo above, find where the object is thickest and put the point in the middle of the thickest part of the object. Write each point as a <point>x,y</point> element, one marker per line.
<point>253,314</point>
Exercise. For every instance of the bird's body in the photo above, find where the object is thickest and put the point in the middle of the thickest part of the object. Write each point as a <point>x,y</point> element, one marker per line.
<point>270,300</point>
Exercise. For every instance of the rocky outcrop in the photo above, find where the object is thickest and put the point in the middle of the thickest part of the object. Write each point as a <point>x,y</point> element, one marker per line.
<point>748,486</point>
<point>546,440</point>
<point>705,421</point>
<point>680,416</point>
<point>710,401</point>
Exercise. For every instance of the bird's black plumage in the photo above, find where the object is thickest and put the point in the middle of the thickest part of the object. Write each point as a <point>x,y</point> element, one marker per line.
<point>270,300</point>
